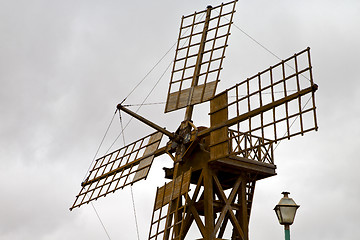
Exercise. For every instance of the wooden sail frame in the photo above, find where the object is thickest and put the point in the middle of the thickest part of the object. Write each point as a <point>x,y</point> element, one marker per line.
<point>296,116</point>
<point>118,169</point>
<point>199,56</point>
<point>170,208</point>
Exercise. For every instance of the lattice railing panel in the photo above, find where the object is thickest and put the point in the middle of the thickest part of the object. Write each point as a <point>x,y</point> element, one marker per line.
<point>118,169</point>
<point>251,147</point>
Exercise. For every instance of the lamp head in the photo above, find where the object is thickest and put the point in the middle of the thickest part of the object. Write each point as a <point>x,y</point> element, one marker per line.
<point>286,209</point>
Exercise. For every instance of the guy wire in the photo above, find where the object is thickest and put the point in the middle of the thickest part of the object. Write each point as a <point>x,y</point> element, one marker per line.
<point>102,224</point>
<point>131,189</point>
<point>261,45</point>
<point>97,151</point>
<point>287,132</point>
<point>137,85</point>
<point>102,141</point>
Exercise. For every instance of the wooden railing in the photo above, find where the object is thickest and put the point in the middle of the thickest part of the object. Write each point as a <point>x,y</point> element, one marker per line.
<point>251,147</point>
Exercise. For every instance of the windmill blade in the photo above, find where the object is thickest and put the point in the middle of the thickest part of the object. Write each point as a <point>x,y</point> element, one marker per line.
<point>170,208</point>
<point>199,56</point>
<point>118,169</point>
<point>275,104</point>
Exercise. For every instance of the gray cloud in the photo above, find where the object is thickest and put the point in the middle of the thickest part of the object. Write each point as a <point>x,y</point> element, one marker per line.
<point>65,65</point>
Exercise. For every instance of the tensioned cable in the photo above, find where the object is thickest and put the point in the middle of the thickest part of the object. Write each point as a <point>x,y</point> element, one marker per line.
<point>122,131</point>
<point>268,50</point>
<point>97,151</point>
<point>246,34</point>
<point>122,127</point>
<point>137,85</point>
<point>102,141</point>
<point>131,189</point>
<point>257,42</point>
<point>136,221</point>
<point>143,103</point>
<point>276,56</point>
<point>102,224</point>
<point>287,132</point>
<point>261,45</point>
<point>162,75</point>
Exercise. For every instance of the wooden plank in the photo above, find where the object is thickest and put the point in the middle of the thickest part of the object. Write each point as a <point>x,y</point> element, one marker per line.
<point>163,196</point>
<point>237,165</point>
<point>159,198</point>
<point>203,92</point>
<point>171,191</point>
<point>219,144</point>
<point>145,164</point>
<point>143,169</point>
<point>179,99</point>
<point>169,198</point>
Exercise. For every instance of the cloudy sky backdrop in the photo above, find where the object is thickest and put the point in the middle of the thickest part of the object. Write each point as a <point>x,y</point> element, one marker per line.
<point>65,65</point>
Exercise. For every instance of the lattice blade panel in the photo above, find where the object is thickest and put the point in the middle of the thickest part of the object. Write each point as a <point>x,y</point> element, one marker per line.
<point>277,103</point>
<point>119,169</point>
<point>170,208</point>
<point>199,56</point>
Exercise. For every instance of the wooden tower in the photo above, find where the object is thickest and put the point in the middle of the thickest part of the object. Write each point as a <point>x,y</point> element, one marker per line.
<point>220,163</point>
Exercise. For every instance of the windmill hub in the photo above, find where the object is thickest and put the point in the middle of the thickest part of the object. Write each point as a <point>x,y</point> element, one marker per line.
<point>193,152</point>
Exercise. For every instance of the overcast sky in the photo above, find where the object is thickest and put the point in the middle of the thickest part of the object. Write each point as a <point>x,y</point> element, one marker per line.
<point>65,65</point>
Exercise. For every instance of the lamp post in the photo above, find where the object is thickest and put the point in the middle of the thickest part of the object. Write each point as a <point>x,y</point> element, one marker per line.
<point>285,211</point>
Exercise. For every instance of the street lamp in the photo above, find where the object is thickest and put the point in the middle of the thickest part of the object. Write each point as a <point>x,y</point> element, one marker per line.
<point>285,212</point>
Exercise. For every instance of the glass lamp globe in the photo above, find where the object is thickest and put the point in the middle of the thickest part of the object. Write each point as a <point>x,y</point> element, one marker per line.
<point>286,209</point>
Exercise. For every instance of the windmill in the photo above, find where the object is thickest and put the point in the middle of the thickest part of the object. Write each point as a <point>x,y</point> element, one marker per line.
<point>216,167</point>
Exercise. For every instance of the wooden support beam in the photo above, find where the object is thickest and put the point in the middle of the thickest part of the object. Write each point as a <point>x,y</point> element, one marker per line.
<point>208,204</point>
<point>146,121</point>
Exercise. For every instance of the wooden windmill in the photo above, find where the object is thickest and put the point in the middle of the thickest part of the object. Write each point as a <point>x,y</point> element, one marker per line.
<point>220,163</point>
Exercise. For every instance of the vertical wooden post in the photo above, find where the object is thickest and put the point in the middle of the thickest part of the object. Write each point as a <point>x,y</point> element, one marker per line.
<point>243,213</point>
<point>208,204</point>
